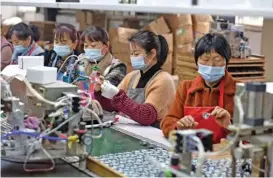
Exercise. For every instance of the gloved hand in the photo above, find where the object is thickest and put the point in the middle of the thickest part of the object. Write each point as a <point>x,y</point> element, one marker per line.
<point>108,90</point>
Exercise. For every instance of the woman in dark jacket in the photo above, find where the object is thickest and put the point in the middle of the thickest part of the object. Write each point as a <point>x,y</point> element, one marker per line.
<point>65,42</point>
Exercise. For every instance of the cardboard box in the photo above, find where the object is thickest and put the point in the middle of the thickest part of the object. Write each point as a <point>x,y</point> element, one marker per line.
<point>176,21</point>
<point>46,29</point>
<point>125,57</point>
<point>168,64</point>
<point>89,17</point>
<point>185,48</point>
<point>99,19</point>
<point>158,26</point>
<point>131,22</point>
<point>169,39</point>
<point>202,18</point>
<point>81,16</point>
<point>121,34</point>
<point>200,29</point>
<point>183,35</point>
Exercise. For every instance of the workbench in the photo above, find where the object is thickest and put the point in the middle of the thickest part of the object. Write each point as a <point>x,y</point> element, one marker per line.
<point>125,136</point>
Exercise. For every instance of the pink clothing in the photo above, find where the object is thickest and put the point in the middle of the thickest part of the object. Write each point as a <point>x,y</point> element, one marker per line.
<point>6,52</point>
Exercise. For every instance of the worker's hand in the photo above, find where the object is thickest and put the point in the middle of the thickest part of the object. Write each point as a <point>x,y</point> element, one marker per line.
<point>98,84</point>
<point>108,90</point>
<point>222,116</point>
<point>186,122</point>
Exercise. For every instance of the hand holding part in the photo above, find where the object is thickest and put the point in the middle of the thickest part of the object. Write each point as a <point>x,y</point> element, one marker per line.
<point>108,90</point>
<point>222,116</point>
<point>99,83</point>
<point>186,122</point>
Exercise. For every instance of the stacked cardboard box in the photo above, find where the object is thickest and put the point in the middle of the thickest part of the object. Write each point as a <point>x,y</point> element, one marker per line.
<point>181,26</point>
<point>201,25</point>
<point>89,18</point>
<point>160,27</point>
<point>120,45</point>
<point>46,29</point>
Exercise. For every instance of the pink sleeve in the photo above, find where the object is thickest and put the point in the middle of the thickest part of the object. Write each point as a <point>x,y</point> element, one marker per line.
<point>144,114</point>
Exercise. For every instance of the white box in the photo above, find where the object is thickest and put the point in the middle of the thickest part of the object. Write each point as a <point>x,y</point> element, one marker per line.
<point>25,62</point>
<point>42,75</point>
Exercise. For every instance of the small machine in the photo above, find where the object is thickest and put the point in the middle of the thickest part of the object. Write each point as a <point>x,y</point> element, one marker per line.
<point>234,34</point>
<point>47,125</point>
<point>253,127</point>
<point>250,140</point>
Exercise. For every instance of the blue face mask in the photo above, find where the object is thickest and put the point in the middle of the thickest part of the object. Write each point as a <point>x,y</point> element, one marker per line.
<point>138,62</point>
<point>211,74</point>
<point>19,49</point>
<point>93,55</point>
<point>63,50</point>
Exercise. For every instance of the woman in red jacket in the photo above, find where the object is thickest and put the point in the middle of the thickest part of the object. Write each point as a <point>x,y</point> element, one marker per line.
<point>206,101</point>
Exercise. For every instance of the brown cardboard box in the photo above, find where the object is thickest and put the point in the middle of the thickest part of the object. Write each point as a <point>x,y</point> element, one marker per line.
<point>99,19</point>
<point>169,39</point>
<point>131,22</point>
<point>158,26</point>
<point>89,17</point>
<point>125,57</point>
<point>121,34</point>
<point>81,16</point>
<point>201,18</point>
<point>200,29</point>
<point>183,35</point>
<point>176,21</point>
<point>168,64</point>
<point>185,48</point>
<point>46,28</point>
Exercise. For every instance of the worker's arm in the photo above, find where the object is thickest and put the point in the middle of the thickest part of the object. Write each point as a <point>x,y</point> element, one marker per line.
<point>6,54</point>
<point>176,111</point>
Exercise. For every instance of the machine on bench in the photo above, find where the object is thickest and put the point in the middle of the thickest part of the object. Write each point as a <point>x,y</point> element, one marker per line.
<point>251,140</point>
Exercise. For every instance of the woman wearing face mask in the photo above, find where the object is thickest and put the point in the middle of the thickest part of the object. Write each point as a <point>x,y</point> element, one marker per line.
<point>145,94</point>
<point>207,101</point>
<point>22,39</point>
<point>65,42</point>
<point>98,54</point>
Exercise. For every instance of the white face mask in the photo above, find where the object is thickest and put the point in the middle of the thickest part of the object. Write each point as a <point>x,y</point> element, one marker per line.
<point>93,55</point>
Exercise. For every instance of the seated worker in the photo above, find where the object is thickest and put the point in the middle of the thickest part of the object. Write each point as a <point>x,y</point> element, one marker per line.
<point>6,52</point>
<point>65,42</point>
<point>206,101</point>
<point>21,36</point>
<point>146,94</point>
<point>98,53</point>
<point>36,32</point>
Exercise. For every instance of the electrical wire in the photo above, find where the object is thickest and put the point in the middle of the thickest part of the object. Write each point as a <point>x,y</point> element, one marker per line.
<point>40,97</point>
<point>45,152</point>
<point>100,123</point>
<point>66,61</point>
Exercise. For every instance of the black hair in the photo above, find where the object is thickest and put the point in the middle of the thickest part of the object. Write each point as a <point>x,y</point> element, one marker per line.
<point>36,32</point>
<point>148,41</point>
<point>95,34</point>
<point>21,30</point>
<point>65,28</point>
<point>212,41</point>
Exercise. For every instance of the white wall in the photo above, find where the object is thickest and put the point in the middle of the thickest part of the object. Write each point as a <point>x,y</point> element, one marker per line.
<point>8,11</point>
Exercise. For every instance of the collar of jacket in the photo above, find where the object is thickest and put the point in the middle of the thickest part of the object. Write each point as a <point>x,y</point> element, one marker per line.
<point>229,84</point>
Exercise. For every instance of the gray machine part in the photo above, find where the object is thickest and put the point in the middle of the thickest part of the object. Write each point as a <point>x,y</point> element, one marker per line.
<point>51,92</point>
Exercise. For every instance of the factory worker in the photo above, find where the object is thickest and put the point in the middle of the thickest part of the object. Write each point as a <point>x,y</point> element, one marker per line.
<point>65,42</point>
<point>98,54</point>
<point>21,37</point>
<point>145,94</point>
<point>206,101</point>
<point>36,32</point>
<point>6,52</point>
